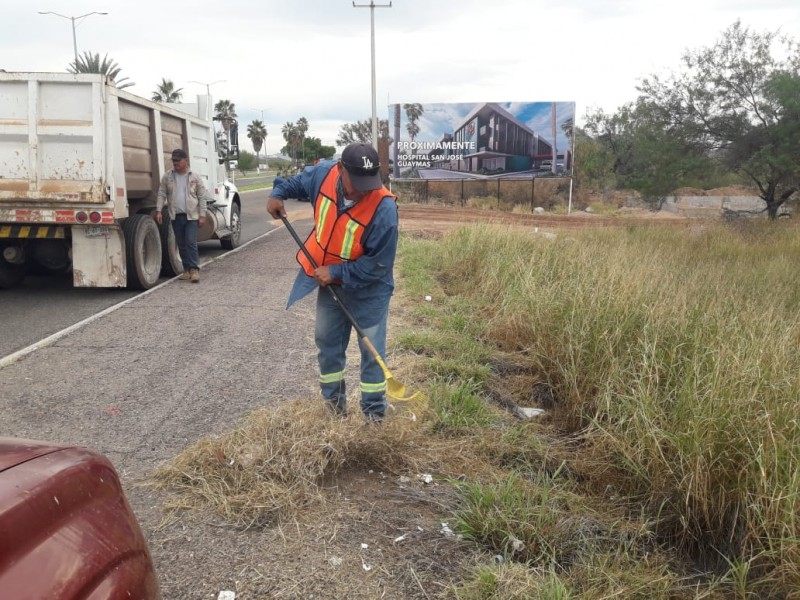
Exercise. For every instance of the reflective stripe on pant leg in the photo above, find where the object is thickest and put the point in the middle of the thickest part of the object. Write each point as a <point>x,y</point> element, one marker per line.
<point>373,399</point>
<point>334,389</point>
<point>331,377</point>
<point>373,381</point>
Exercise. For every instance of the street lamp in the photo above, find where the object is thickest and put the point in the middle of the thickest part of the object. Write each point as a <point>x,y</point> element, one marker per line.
<point>74,20</point>
<point>372,7</point>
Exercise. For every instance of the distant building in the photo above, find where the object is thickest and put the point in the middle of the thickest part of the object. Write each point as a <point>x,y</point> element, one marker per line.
<point>499,140</point>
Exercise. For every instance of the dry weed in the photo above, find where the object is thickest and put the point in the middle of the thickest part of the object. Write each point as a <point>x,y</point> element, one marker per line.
<point>278,461</point>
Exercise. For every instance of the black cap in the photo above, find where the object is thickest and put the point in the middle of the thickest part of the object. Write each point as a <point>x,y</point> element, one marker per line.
<point>179,153</point>
<point>362,164</point>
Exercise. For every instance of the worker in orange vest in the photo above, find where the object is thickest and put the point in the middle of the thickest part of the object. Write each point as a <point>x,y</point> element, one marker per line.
<point>354,243</point>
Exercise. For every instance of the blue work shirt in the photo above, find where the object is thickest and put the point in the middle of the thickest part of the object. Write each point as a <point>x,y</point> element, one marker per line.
<point>368,281</point>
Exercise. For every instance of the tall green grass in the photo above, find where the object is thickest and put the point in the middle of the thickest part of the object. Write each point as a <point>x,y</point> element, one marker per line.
<point>676,352</point>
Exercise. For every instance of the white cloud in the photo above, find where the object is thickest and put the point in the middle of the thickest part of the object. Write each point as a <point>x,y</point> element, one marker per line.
<point>311,58</point>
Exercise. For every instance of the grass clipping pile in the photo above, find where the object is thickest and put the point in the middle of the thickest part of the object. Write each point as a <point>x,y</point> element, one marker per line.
<point>278,461</point>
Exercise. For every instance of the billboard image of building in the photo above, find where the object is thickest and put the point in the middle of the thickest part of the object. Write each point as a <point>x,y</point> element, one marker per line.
<point>489,139</point>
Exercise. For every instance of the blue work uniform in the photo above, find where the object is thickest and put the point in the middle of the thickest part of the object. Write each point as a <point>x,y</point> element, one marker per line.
<point>367,284</point>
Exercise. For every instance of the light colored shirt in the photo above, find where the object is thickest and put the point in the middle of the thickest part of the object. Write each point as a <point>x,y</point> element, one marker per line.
<point>181,183</point>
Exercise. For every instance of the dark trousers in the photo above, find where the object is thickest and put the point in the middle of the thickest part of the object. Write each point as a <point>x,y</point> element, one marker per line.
<point>186,238</point>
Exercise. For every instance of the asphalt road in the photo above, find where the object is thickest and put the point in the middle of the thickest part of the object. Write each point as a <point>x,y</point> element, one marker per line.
<point>43,305</point>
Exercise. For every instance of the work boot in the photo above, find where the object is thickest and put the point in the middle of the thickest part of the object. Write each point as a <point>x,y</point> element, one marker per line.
<point>185,276</point>
<point>195,276</point>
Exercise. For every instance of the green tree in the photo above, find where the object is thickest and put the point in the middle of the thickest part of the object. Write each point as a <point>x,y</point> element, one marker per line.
<point>646,152</point>
<point>593,164</point>
<point>90,62</point>
<point>247,161</point>
<point>738,102</point>
<point>291,134</point>
<point>166,92</point>
<point>225,111</point>
<point>257,132</point>
<point>302,129</point>
<point>314,150</point>
<point>361,132</point>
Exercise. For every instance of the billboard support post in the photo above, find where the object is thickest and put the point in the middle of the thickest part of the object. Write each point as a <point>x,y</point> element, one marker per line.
<point>569,202</point>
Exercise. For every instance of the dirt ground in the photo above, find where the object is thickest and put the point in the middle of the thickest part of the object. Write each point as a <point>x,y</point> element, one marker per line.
<point>378,535</point>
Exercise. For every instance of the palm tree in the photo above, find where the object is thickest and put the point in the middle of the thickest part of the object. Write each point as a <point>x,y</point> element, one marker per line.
<point>166,92</point>
<point>302,128</point>
<point>91,63</point>
<point>290,134</point>
<point>257,133</point>
<point>413,112</point>
<point>226,113</point>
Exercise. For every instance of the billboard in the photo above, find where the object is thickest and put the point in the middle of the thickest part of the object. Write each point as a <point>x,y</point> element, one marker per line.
<point>481,140</point>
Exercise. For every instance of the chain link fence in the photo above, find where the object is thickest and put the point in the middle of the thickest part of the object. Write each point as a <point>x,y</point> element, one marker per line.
<point>501,193</point>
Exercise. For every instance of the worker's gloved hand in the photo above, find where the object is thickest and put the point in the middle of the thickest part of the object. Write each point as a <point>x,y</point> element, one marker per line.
<point>275,207</point>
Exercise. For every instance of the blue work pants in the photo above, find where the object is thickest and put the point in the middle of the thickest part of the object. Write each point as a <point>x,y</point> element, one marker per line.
<point>186,239</point>
<point>332,335</point>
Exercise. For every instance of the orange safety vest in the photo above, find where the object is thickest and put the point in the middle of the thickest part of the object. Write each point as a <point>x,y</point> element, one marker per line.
<point>337,238</point>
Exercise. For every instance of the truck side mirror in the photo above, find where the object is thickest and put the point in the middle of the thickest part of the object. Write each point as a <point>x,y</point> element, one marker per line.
<point>227,139</point>
<point>233,140</point>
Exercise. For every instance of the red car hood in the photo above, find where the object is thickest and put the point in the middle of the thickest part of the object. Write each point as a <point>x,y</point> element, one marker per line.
<point>14,451</point>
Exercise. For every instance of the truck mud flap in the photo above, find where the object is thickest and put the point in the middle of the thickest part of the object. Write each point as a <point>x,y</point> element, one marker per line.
<point>98,257</point>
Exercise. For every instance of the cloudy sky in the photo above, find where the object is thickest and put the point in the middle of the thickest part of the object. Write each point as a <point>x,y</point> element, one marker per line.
<point>311,58</point>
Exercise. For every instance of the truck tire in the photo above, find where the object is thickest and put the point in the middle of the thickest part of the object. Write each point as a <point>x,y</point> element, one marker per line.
<point>142,251</point>
<point>233,240</point>
<point>171,263</point>
<point>11,274</point>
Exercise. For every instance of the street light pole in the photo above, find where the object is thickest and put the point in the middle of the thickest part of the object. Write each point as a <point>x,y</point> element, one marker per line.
<point>74,20</point>
<point>372,7</point>
<point>208,94</point>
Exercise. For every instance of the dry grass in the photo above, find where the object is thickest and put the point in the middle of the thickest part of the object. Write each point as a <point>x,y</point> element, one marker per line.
<point>277,461</point>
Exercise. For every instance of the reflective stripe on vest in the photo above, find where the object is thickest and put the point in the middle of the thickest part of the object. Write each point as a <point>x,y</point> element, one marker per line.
<point>337,237</point>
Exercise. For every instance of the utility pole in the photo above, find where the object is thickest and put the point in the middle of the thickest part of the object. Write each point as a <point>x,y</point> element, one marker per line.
<point>372,7</point>
<point>209,107</point>
<point>210,116</point>
<point>73,19</point>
